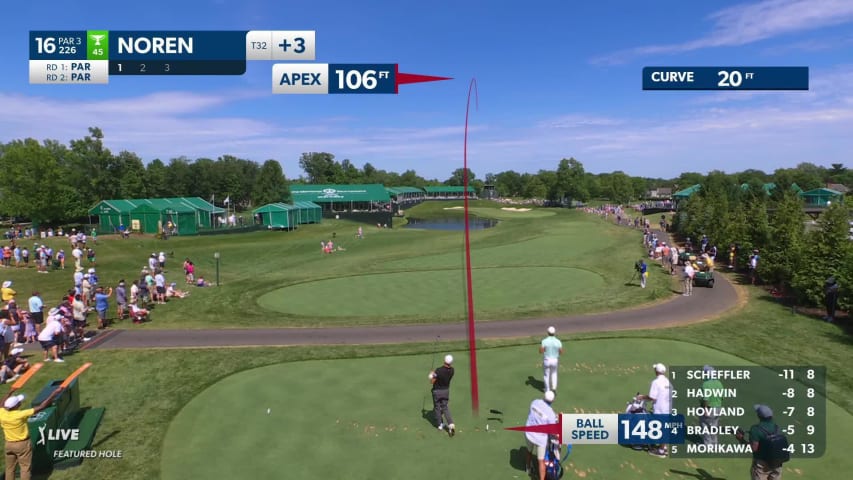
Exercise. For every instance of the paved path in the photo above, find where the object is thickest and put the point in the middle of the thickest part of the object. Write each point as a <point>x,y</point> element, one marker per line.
<point>705,303</point>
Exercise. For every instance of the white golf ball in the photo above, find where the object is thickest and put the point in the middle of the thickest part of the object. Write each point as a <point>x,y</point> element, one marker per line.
<point>268,411</point>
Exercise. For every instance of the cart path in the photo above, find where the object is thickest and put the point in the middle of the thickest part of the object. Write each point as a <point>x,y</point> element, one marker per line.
<point>704,304</point>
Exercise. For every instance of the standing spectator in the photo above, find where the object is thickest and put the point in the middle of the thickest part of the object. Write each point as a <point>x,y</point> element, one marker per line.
<point>61,258</point>
<point>160,286</point>
<point>121,299</point>
<point>79,311</point>
<point>689,272</point>
<point>541,413</point>
<point>551,347</point>
<point>153,264</point>
<point>440,379</point>
<point>644,273</point>
<point>134,293</point>
<point>16,430</point>
<point>17,254</point>
<point>753,266</point>
<point>77,254</point>
<point>831,299</point>
<point>25,257</point>
<point>51,336</point>
<point>161,260</point>
<point>102,305</point>
<point>86,289</point>
<point>36,306</point>
<point>711,405</point>
<point>764,466</point>
<point>660,393</point>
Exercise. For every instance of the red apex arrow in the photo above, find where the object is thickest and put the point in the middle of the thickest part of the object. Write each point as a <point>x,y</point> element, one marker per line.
<point>406,78</point>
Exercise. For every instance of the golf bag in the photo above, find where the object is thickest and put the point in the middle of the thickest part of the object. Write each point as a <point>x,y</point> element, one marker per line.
<point>637,407</point>
<point>553,462</point>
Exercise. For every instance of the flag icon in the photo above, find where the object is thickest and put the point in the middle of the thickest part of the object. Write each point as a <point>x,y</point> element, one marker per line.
<point>227,200</point>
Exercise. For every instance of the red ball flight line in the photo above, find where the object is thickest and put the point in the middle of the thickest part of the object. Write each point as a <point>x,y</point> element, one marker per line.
<point>406,78</point>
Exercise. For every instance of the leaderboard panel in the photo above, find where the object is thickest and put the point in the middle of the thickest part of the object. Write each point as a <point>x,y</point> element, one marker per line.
<point>92,56</point>
<point>795,394</point>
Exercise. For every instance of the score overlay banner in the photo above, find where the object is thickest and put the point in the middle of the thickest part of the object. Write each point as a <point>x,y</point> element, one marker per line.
<point>796,395</point>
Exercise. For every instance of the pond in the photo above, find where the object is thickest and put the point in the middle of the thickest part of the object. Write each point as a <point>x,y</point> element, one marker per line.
<point>475,223</point>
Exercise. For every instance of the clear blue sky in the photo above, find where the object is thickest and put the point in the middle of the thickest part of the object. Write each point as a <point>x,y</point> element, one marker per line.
<point>556,79</point>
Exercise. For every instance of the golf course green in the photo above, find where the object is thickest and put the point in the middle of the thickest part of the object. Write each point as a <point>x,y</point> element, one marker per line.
<point>499,290</point>
<point>364,419</point>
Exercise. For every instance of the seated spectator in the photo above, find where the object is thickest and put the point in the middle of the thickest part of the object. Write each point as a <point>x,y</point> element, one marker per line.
<point>14,366</point>
<point>171,291</point>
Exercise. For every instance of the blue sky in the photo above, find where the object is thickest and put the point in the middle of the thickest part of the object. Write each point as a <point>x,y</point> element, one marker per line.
<point>556,79</point>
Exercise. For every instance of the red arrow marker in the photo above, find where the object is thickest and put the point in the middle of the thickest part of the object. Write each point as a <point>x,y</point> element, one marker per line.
<point>406,78</point>
<point>549,428</point>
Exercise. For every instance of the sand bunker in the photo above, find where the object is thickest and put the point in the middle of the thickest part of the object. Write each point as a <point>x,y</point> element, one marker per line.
<point>453,208</point>
<point>511,209</point>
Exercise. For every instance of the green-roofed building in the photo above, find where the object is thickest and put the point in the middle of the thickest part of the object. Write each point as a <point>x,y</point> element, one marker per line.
<point>308,212</point>
<point>280,216</point>
<point>446,192</point>
<point>406,195</point>
<point>821,197</point>
<point>344,198</point>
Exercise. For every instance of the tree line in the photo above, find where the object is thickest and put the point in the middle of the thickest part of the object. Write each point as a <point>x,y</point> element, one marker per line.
<point>797,255</point>
<point>49,182</point>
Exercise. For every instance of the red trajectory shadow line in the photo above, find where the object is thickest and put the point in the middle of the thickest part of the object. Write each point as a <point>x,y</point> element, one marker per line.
<point>408,78</point>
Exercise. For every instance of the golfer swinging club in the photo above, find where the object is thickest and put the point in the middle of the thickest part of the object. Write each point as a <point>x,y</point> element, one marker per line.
<point>440,379</point>
<point>552,348</point>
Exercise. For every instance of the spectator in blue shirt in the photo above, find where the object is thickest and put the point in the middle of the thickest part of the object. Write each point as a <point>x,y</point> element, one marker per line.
<point>102,304</point>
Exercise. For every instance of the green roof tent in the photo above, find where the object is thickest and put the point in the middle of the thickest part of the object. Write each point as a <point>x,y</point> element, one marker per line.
<point>820,197</point>
<point>113,213</point>
<point>796,188</point>
<point>308,212</point>
<point>342,197</point>
<point>205,210</point>
<point>277,215</point>
<point>687,192</point>
<point>146,219</point>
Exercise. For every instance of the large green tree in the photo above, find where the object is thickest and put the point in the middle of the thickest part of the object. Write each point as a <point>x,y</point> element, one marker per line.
<point>271,185</point>
<point>33,184</point>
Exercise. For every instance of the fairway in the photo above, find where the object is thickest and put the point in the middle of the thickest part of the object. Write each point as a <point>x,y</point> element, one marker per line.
<point>498,290</point>
<point>538,263</point>
<point>362,419</point>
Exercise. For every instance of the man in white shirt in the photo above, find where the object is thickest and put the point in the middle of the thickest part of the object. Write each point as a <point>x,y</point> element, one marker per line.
<point>51,336</point>
<point>541,413</point>
<point>689,272</point>
<point>660,393</point>
<point>78,256</point>
<point>551,348</point>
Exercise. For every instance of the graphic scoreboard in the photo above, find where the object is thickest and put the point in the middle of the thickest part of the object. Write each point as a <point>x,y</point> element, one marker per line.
<point>90,57</point>
<point>797,396</point>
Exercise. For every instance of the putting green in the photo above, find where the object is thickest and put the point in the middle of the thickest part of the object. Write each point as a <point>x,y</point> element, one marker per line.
<point>499,289</point>
<point>362,419</point>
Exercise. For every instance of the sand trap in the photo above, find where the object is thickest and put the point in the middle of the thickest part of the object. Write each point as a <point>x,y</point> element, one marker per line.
<point>511,209</point>
<point>453,208</point>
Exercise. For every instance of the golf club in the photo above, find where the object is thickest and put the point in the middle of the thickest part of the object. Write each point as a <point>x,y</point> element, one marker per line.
<point>434,354</point>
